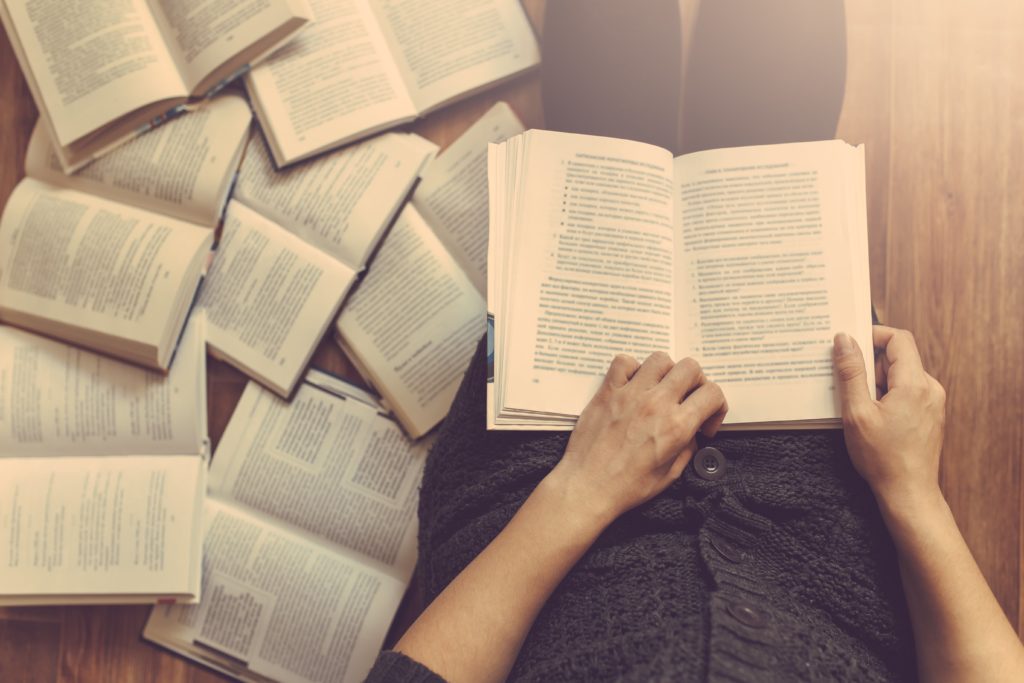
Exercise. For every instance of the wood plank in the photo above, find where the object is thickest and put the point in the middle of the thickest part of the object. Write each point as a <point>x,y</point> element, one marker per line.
<point>955,253</point>
<point>29,650</point>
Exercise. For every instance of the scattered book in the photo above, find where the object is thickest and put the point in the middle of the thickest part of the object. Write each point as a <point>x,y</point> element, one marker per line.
<point>310,538</point>
<point>368,65</point>
<point>104,72</point>
<point>293,243</point>
<point>183,169</point>
<point>102,474</point>
<point>110,258</point>
<point>747,259</point>
<point>412,324</point>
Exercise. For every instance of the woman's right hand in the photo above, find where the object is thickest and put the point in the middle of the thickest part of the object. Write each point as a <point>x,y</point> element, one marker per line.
<point>894,442</point>
<point>637,433</point>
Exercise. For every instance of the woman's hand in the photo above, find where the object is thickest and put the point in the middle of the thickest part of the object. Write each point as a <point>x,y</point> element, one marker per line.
<point>894,442</point>
<point>638,433</point>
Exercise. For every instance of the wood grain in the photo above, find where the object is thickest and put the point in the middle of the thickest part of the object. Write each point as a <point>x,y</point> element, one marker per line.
<point>934,89</point>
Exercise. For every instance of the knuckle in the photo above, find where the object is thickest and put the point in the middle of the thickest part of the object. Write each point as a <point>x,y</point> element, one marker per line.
<point>690,365</point>
<point>849,369</point>
<point>908,337</point>
<point>624,361</point>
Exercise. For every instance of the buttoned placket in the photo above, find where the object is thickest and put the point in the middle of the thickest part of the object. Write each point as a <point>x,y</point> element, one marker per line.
<point>741,630</point>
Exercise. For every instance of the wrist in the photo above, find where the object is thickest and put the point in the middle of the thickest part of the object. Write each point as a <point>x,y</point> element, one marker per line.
<point>910,505</point>
<point>577,506</point>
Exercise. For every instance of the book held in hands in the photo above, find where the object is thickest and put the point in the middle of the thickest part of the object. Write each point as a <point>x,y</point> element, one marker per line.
<point>747,259</point>
<point>101,72</point>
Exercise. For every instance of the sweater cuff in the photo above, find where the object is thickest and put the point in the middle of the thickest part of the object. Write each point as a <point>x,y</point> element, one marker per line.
<point>394,667</point>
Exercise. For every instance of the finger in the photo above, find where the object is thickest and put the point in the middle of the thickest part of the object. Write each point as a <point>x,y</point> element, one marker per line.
<point>851,377</point>
<point>620,371</point>
<point>652,370</point>
<point>703,410</point>
<point>684,377</point>
<point>902,356</point>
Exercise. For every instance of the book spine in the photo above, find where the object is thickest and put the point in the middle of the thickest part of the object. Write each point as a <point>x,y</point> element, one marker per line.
<point>238,73</point>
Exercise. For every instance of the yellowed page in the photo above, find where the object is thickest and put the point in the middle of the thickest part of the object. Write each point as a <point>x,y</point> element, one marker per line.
<point>452,197</point>
<point>334,83</point>
<point>59,399</point>
<point>340,202</point>
<point>94,62</point>
<point>204,34</point>
<point>269,298</point>
<point>449,48</point>
<point>279,606</point>
<point>332,466</point>
<point>181,169</point>
<point>592,266</point>
<point>414,321</point>
<point>92,266</point>
<point>112,525</point>
<point>773,263</point>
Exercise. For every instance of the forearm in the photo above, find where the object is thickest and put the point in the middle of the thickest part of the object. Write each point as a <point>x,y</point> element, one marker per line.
<point>473,631</point>
<point>960,631</point>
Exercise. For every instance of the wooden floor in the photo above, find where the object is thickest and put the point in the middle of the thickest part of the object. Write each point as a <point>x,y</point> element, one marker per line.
<point>936,91</point>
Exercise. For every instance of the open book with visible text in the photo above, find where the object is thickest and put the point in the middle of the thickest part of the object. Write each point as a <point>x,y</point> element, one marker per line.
<point>292,245</point>
<point>111,257</point>
<point>747,259</point>
<point>413,322</point>
<point>103,72</point>
<point>368,65</point>
<point>102,474</point>
<point>310,538</point>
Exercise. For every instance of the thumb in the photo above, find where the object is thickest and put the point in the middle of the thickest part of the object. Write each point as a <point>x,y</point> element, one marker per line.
<point>850,373</point>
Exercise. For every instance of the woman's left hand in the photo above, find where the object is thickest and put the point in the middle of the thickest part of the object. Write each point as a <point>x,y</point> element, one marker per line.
<point>638,432</point>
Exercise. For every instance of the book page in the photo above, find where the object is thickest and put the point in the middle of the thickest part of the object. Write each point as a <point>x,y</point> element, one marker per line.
<point>773,263</point>
<point>592,266</point>
<point>414,322</point>
<point>339,202</point>
<point>57,399</point>
<point>269,298</point>
<point>449,48</point>
<point>113,525</point>
<point>181,169</point>
<point>203,35</point>
<point>330,465</point>
<point>335,82</point>
<point>452,197</point>
<point>91,270</point>
<point>279,607</point>
<point>93,62</point>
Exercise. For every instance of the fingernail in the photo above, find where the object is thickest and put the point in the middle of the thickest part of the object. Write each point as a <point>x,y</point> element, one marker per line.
<point>843,343</point>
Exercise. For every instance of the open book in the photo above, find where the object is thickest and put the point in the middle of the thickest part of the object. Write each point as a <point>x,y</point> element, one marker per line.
<point>105,71</point>
<point>368,65</point>
<point>102,474</point>
<point>310,538</point>
<point>292,244</point>
<point>747,259</point>
<point>110,258</point>
<point>412,324</point>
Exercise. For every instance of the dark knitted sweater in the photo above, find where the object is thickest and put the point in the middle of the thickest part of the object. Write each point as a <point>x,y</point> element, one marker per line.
<point>780,570</point>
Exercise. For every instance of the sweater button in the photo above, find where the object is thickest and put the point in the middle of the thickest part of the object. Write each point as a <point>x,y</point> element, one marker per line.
<point>747,615</point>
<point>709,463</point>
